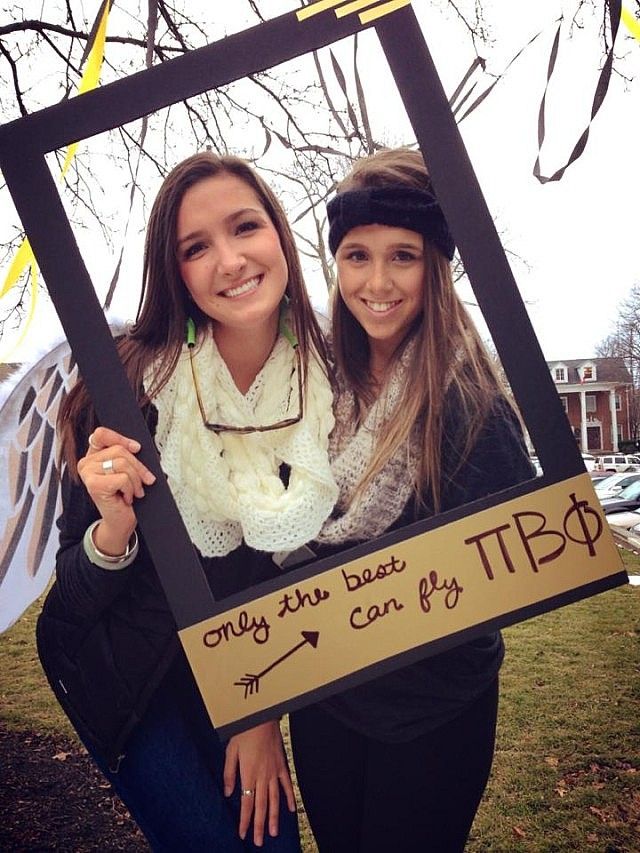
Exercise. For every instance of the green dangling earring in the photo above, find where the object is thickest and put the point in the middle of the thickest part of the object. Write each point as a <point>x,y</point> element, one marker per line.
<point>283,326</point>
<point>190,336</point>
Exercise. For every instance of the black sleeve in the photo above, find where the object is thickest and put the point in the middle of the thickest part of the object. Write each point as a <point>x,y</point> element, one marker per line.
<point>83,589</point>
<point>498,460</point>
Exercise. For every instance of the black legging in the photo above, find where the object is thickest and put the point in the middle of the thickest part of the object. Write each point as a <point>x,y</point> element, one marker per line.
<point>366,796</point>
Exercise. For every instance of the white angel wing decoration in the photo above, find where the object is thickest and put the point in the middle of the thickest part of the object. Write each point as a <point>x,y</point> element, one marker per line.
<point>29,489</point>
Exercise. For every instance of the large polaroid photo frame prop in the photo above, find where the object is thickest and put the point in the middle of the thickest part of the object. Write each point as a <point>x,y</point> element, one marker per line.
<point>341,621</point>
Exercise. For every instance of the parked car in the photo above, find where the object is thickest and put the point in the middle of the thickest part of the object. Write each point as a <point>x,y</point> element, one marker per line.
<point>624,520</point>
<point>612,485</point>
<point>589,464</point>
<point>628,499</point>
<point>618,462</point>
<point>626,537</point>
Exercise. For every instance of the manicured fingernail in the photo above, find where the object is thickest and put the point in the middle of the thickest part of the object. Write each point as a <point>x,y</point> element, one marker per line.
<point>134,446</point>
<point>149,478</point>
<point>227,791</point>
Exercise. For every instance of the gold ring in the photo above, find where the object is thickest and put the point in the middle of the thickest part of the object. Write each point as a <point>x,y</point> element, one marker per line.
<point>247,792</point>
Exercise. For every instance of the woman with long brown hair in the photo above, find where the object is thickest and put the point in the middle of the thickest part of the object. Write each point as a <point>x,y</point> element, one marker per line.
<point>230,369</point>
<point>422,426</point>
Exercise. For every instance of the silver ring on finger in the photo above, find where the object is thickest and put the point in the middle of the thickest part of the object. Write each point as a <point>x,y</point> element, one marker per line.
<point>247,792</point>
<point>107,467</point>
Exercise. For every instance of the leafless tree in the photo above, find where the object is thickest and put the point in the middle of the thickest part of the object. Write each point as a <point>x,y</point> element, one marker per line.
<point>302,123</point>
<point>624,342</point>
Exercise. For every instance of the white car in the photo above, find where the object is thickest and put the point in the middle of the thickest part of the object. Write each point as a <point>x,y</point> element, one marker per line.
<point>626,520</point>
<point>613,485</point>
<point>618,462</point>
<point>627,537</point>
<point>589,461</point>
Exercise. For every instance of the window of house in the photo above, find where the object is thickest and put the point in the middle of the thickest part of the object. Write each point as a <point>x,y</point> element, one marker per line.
<point>587,373</point>
<point>560,374</point>
<point>590,402</point>
<point>618,402</point>
<point>565,403</point>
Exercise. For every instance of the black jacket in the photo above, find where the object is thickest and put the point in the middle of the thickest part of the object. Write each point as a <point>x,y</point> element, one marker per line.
<point>413,700</point>
<point>106,639</point>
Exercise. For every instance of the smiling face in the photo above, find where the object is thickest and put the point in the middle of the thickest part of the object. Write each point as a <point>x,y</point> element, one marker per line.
<point>381,278</point>
<point>230,257</point>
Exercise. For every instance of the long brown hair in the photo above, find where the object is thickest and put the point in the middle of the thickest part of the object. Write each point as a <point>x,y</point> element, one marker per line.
<point>159,331</point>
<point>448,355</point>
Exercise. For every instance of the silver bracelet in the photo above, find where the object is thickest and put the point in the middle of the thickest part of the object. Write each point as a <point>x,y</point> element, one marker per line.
<point>107,561</point>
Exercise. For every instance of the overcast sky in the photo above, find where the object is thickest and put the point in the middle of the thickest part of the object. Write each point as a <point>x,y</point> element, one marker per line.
<point>578,238</point>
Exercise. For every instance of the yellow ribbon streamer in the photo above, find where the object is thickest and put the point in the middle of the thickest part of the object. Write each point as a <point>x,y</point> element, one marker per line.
<point>631,22</point>
<point>91,75</point>
<point>24,256</point>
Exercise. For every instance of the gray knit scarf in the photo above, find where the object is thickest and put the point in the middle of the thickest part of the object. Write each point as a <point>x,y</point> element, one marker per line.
<point>350,450</point>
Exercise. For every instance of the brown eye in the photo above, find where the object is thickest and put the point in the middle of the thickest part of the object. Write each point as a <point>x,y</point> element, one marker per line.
<point>355,255</point>
<point>247,227</point>
<point>404,256</point>
<point>193,250</point>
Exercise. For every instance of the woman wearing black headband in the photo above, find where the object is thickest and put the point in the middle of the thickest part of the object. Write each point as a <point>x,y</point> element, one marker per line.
<point>422,426</point>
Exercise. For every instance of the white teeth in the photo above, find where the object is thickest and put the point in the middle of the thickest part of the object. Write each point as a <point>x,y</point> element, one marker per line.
<point>380,307</point>
<point>243,288</point>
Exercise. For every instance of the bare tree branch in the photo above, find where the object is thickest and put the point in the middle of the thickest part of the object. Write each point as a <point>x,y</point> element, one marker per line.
<point>16,82</point>
<point>43,27</point>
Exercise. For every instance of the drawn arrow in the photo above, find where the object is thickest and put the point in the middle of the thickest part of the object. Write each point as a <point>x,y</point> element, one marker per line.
<point>251,682</point>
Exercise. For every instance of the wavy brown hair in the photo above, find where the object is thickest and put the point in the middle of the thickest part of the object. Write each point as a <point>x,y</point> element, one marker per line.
<point>448,356</point>
<point>158,333</point>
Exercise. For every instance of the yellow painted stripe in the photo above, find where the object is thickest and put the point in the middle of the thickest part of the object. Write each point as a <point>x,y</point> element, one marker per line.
<point>380,11</point>
<point>354,6</point>
<point>631,23</point>
<point>316,8</point>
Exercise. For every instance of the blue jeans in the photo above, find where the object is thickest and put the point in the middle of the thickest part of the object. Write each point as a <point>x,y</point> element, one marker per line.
<point>171,781</point>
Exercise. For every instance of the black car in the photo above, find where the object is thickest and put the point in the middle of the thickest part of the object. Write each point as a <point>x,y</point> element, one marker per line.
<point>627,499</point>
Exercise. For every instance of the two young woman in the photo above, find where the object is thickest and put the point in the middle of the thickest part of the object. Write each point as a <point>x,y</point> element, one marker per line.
<point>421,426</point>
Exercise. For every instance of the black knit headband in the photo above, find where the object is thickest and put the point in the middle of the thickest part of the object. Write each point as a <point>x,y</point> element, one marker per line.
<point>399,206</point>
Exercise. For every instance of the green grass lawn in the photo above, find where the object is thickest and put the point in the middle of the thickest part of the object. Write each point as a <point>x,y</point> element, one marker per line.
<point>567,770</point>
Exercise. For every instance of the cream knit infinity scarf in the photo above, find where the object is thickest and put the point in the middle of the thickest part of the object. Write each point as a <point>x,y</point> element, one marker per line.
<point>351,450</point>
<point>227,486</point>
